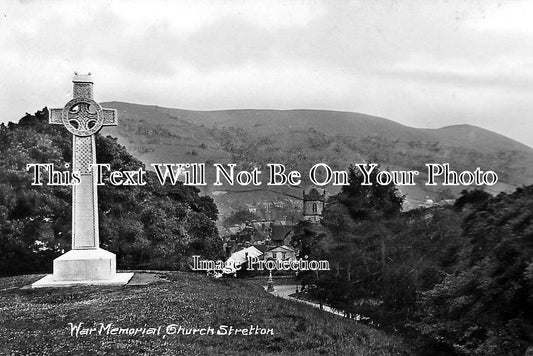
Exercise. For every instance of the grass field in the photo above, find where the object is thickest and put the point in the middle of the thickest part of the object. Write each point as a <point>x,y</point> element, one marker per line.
<point>36,321</point>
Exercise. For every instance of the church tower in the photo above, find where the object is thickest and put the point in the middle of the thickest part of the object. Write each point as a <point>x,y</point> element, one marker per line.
<point>314,200</point>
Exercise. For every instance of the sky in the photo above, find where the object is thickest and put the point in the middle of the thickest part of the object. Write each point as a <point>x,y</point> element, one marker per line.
<point>421,63</point>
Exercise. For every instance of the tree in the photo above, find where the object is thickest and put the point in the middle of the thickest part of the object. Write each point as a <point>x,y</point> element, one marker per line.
<point>360,220</point>
<point>484,307</point>
<point>369,202</point>
<point>475,198</point>
<point>149,226</point>
<point>240,217</point>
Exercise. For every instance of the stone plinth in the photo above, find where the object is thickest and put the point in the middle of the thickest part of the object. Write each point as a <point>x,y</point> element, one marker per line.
<point>77,267</point>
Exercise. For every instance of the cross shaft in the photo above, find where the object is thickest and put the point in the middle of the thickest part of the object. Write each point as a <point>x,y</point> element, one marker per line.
<point>84,117</point>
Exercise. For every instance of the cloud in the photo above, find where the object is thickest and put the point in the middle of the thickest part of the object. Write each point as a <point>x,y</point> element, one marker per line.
<point>511,17</point>
<point>503,72</point>
<point>420,63</point>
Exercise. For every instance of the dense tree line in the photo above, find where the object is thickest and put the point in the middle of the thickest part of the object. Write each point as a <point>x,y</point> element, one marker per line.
<point>239,217</point>
<point>460,277</point>
<point>149,227</point>
<point>485,305</point>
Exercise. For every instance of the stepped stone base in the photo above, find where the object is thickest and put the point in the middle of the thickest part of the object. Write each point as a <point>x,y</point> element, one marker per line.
<point>84,267</point>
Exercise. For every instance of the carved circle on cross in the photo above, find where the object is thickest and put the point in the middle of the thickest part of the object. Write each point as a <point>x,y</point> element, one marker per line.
<point>83,116</point>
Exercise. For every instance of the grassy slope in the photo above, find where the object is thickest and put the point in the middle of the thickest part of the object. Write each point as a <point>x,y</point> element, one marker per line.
<point>35,322</point>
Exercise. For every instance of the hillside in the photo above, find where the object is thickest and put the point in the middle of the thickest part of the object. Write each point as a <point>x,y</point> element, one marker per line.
<point>301,138</point>
<point>36,321</point>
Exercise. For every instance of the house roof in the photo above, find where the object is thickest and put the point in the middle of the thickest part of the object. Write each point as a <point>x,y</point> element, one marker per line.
<point>280,232</point>
<point>261,248</point>
<point>239,257</point>
<point>234,230</point>
<point>281,248</point>
<point>314,193</point>
<point>257,225</point>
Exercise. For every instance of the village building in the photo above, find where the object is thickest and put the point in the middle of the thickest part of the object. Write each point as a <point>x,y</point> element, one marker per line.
<point>239,258</point>
<point>282,253</point>
<point>261,247</point>
<point>281,233</point>
<point>314,201</point>
<point>250,208</point>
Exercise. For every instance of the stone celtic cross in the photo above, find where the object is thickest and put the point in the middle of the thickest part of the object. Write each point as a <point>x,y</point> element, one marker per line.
<point>84,117</point>
<point>86,263</point>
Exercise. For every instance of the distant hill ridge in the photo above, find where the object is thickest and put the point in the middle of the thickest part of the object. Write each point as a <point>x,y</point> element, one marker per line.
<point>344,122</point>
<point>302,137</point>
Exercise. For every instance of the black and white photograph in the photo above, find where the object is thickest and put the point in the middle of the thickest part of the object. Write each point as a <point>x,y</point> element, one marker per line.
<point>282,177</point>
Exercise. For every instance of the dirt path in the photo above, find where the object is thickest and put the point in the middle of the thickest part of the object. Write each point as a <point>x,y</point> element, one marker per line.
<point>285,291</point>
